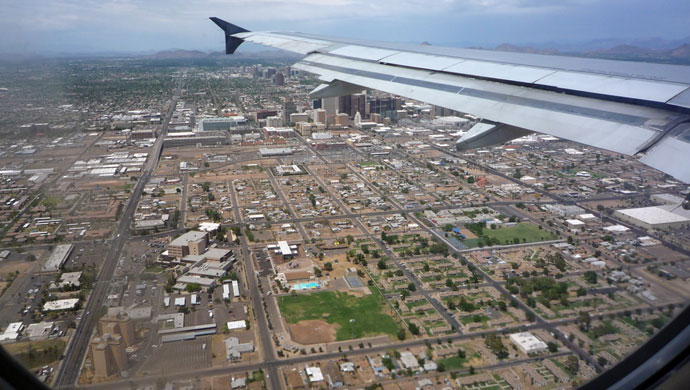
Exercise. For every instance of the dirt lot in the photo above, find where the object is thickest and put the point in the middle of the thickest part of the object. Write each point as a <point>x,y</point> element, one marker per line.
<point>313,332</point>
<point>12,267</point>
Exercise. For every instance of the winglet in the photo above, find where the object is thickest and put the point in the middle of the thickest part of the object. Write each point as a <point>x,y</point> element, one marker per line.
<point>231,43</point>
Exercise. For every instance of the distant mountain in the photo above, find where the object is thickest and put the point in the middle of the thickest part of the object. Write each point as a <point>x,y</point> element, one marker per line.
<point>178,54</point>
<point>524,49</point>
<point>676,55</point>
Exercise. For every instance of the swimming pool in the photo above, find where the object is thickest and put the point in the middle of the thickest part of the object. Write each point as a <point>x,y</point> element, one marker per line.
<point>306,286</point>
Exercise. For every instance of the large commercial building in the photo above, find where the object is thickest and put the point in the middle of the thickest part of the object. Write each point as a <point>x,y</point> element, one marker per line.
<point>205,138</point>
<point>57,257</point>
<point>272,152</point>
<point>190,243</point>
<point>528,343</point>
<point>225,123</point>
<point>285,132</point>
<point>653,218</point>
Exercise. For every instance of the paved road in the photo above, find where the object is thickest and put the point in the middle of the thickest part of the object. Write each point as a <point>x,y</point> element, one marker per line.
<point>271,364</point>
<point>69,370</point>
<point>256,299</point>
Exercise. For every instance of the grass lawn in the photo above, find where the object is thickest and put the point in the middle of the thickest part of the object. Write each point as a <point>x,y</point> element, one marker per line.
<point>357,317</point>
<point>154,269</point>
<point>453,363</point>
<point>471,319</point>
<point>523,230</point>
<point>32,354</point>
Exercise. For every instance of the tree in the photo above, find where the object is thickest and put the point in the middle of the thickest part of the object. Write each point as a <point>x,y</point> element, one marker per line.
<point>317,272</point>
<point>401,334</point>
<point>553,347</point>
<point>584,320</point>
<point>590,277</point>
<point>206,186</point>
<point>411,287</point>
<point>602,361</point>
<point>192,287</point>
<point>461,353</point>
<point>581,292</point>
<point>572,364</point>
<point>471,371</point>
<point>328,266</point>
<point>381,264</point>
<point>211,197</point>
<point>414,329</point>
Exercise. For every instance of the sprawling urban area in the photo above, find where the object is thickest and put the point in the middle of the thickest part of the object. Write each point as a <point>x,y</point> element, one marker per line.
<point>204,224</point>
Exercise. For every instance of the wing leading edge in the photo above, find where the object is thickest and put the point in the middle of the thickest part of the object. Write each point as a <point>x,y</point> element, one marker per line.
<point>637,109</point>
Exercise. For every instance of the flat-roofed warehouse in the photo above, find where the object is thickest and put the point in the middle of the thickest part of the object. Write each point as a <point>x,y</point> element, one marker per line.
<point>270,152</point>
<point>653,218</point>
<point>528,343</point>
<point>57,257</point>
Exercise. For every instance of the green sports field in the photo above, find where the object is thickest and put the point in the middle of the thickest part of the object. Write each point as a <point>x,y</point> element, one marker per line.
<point>357,316</point>
<point>524,232</point>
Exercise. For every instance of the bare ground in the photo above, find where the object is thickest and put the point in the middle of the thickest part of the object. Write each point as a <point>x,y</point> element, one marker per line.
<point>313,332</point>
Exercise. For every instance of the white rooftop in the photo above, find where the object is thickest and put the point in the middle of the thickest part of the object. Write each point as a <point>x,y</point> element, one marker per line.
<point>653,215</point>
<point>188,237</point>
<point>527,342</point>
<point>241,324</point>
<point>60,304</point>
<point>314,374</point>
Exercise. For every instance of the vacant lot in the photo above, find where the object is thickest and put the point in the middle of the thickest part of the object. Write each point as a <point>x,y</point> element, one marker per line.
<point>356,317</point>
<point>32,354</point>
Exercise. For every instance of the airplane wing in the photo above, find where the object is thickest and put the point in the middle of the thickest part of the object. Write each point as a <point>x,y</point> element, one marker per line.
<point>638,109</point>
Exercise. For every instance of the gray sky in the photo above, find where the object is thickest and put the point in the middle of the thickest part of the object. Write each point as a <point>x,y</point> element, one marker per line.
<point>29,26</point>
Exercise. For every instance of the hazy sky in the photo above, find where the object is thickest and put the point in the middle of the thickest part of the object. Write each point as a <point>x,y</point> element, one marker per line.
<point>138,25</point>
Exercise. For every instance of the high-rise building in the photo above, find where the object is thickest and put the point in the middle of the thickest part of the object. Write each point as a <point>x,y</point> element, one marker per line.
<point>109,356</point>
<point>342,119</point>
<point>120,325</point>
<point>351,104</point>
<point>279,79</point>
<point>320,116</point>
<point>289,108</point>
<point>331,106</point>
<point>359,103</point>
<point>385,105</point>
<point>274,121</point>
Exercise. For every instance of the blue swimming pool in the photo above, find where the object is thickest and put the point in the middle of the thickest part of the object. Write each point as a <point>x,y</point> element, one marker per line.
<point>306,286</point>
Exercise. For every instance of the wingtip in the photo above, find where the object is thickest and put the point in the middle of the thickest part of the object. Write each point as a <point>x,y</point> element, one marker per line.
<point>231,43</point>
